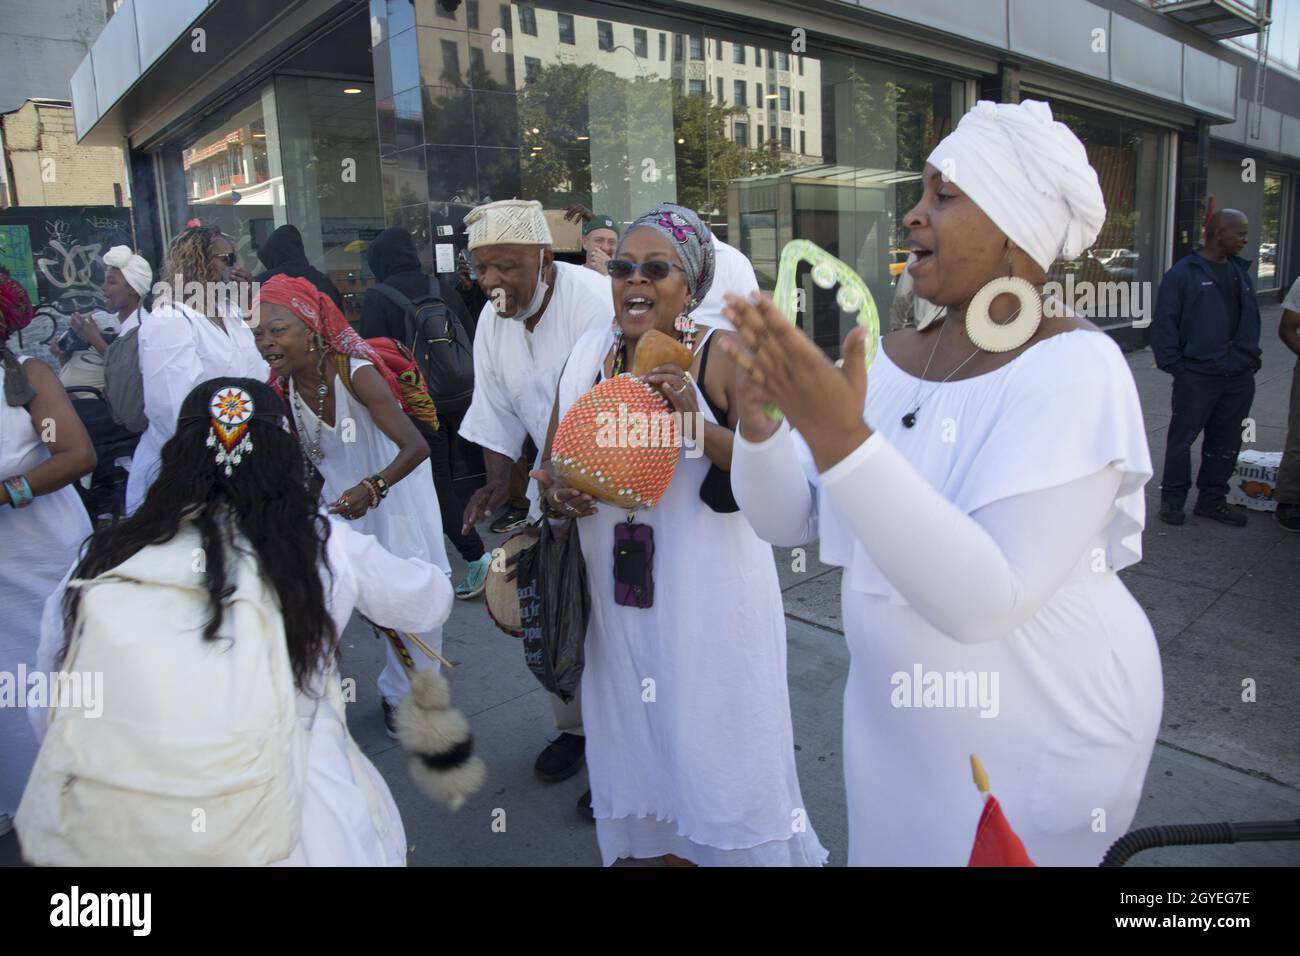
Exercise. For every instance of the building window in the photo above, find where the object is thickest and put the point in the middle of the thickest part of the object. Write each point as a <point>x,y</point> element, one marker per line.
<point>443,12</point>
<point>696,88</point>
<point>801,103</point>
<point>721,98</point>
<point>477,67</point>
<point>605,34</point>
<point>566,28</point>
<point>785,98</point>
<point>677,48</point>
<point>759,140</point>
<point>471,14</point>
<point>803,142</point>
<point>785,138</point>
<point>450,62</point>
<point>783,61</point>
<point>717,50</point>
<point>528,20</point>
<point>697,47</point>
<point>738,89</point>
<point>510,72</point>
<point>506,25</point>
<point>532,68</point>
<point>801,66</point>
<point>738,53</point>
<point>758,95</point>
<point>641,43</point>
<point>742,134</point>
<point>663,46</point>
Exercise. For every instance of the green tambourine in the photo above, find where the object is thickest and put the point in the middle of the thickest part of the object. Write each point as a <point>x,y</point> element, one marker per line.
<point>827,272</point>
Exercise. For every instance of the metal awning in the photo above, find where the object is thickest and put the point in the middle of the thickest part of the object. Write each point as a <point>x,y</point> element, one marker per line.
<point>1217,19</point>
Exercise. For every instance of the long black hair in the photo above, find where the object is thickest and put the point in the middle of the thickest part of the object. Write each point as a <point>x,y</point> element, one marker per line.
<point>264,498</point>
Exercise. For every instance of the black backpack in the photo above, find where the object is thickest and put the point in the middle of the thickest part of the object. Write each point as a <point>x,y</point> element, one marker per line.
<point>439,342</point>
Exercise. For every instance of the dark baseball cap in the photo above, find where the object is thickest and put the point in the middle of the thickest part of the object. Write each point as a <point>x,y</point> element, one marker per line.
<point>599,222</point>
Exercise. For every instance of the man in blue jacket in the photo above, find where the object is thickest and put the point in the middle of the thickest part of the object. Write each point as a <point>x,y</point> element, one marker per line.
<point>1206,335</point>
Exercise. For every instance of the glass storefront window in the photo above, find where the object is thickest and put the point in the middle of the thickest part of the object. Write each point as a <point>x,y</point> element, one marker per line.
<point>1130,159</point>
<point>229,175</point>
<point>829,148</point>
<point>1270,232</point>
<point>329,147</point>
<point>301,150</point>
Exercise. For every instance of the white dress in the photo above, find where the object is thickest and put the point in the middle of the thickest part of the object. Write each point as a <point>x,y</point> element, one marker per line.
<point>981,603</point>
<point>407,522</point>
<point>516,371</point>
<point>349,817</point>
<point>40,542</point>
<point>706,769</point>
<point>179,348</point>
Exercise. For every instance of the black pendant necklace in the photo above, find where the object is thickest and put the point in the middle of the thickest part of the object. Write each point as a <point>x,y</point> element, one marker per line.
<point>909,420</point>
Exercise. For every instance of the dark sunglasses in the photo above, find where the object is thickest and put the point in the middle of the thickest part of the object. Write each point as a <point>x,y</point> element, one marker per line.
<point>655,269</point>
<point>229,258</point>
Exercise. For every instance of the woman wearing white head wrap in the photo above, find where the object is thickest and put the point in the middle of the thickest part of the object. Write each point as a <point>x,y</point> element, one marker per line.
<point>127,280</point>
<point>980,506</point>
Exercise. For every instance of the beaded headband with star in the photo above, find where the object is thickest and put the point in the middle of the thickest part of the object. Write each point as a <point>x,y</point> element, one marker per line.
<point>231,409</point>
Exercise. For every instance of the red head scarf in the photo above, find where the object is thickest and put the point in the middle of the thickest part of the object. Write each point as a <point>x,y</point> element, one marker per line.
<point>319,313</point>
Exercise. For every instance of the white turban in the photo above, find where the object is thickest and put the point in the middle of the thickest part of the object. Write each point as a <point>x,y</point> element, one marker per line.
<point>135,269</point>
<point>508,221</point>
<point>1029,174</point>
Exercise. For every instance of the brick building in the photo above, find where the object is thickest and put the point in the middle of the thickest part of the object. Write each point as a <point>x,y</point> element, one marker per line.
<point>44,165</point>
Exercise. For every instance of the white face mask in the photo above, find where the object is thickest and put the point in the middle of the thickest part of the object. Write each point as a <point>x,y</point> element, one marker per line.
<point>539,292</point>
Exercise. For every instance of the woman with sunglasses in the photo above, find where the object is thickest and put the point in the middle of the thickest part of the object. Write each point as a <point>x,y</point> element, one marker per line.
<point>195,332</point>
<point>690,750</point>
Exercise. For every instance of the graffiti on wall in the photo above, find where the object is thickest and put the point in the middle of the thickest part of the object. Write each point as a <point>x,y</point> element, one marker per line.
<point>65,273</point>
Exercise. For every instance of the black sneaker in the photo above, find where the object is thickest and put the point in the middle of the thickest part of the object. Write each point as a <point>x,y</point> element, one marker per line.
<point>584,807</point>
<point>1288,516</point>
<point>512,519</point>
<point>390,718</point>
<point>561,759</point>
<point>1223,512</point>
<point>1172,514</point>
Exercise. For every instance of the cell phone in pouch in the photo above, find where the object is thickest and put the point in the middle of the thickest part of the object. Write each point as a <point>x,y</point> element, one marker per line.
<point>634,556</point>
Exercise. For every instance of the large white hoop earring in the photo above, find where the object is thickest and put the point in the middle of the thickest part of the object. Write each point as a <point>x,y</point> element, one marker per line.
<point>989,336</point>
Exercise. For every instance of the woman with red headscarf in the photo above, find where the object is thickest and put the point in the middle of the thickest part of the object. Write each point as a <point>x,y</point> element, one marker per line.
<point>43,449</point>
<point>373,460</point>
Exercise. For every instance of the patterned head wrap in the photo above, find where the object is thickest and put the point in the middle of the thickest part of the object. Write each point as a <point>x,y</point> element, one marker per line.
<point>318,312</point>
<point>15,307</point>
<point>693,241</point>
<point>15,313</point>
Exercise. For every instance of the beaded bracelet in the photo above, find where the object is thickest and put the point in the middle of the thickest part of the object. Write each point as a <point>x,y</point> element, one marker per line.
<point>371,487</point>
<point>20,491</point>
<point>381,483</point>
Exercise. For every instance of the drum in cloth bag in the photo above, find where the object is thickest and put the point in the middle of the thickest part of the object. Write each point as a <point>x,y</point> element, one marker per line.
<point>501,596</point>
<point>619,443</point>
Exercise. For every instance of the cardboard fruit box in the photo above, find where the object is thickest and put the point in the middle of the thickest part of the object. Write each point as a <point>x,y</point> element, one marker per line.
<point>1252,482</point>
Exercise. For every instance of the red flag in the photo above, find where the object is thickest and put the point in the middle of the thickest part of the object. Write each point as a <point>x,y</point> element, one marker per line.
<point>996,844</point>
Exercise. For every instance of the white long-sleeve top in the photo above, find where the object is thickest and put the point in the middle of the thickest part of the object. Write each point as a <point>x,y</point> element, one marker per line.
<point>974,577</point>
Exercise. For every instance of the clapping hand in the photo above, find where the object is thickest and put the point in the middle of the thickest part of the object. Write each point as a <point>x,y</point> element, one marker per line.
<point>784,366</point>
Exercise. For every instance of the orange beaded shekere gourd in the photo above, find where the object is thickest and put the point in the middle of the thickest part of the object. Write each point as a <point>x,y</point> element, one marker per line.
<point>620,442</point>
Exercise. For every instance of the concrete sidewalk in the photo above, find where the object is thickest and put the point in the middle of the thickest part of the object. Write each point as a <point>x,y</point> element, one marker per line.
<point>1224,603</point>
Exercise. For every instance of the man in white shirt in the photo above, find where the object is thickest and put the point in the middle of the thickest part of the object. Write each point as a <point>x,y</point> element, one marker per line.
<point>537,309</point>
